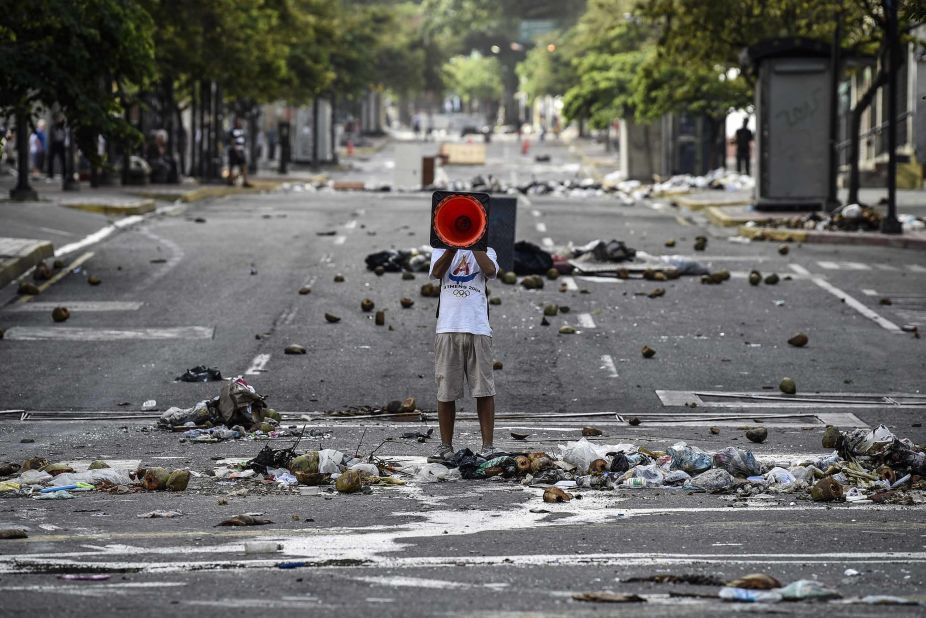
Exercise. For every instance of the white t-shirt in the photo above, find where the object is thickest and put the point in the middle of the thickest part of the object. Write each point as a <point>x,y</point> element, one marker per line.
<point>464,307</point>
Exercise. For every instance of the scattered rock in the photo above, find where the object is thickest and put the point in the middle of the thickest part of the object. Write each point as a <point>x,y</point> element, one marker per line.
<point>58,264</point>
<point>700,243</point>
<point>563,309</point>
<point>598,466</point>
<point>550,310</point>
<point>519,436</point>
<point>656,293</point>
<point>552,274</point>
<point>178,480</point>
<point>555,494</point>
<point>670,242</point>
<point>566,329</point>
<point>339,278</point>
<point>788,386</point>
<point>294,348</point>
<point>755,277</point>
<point>885,301</point>
<point>94,280</point>
<point>13,533</point>
<point>509,278</point>
<point>757,435</point>
<point>498,365</point>
<point>831,437</point>
<point>532,282</point>
<point>772,279</point>
<point>380,319</point>
<point>305,290</point>
<point>783,249</point>
<point>27,441</point>
<point>332,318</point>
<point>379,271</point>
<point>826,489</point>
<point>98,464</point>
<point>27,288</point>
<point>633,421</point>
<point>60,314</point>
<point>495,300</point>
<point>799,340</point>
<point>349,482</point>
<point>608,597</point>
<point>429,290</point>
<point>714,430</point>
<point>409,404</point>
<point>366,305</point>
<point>155,479</point>
<point>199,220</point>
<point>589,432</point>
<point>41,272</point>
<point>34,463</point>
<point>407,276</point>
<point>55,469</point>
<point>755,581</point>
<point>406,303</point>
<point>648,352</point>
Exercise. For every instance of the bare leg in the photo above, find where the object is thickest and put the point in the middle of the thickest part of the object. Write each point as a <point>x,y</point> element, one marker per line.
<point>485,408</point>
<point>446,416</point>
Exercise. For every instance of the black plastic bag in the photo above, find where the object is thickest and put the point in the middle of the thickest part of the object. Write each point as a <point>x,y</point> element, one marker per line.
<point>529,259</point>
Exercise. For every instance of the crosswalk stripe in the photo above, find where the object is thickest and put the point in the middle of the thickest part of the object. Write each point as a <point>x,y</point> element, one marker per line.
<point>570,283</point>
<point>541,227</point>
<point>67,333</point>
<point>828,265</point>
<point>916,268</point>
<point>547,241</point>
<point>81,306</point>
<point>856,266</point>
<point>869,292</point>
<point>887,267</point>
<point>585,320</point>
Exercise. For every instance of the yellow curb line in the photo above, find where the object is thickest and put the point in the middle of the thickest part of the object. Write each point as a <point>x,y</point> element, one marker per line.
<point>698,204</point>
<point>761,233</point>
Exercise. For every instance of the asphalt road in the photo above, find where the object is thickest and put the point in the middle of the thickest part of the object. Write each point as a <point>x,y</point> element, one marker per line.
<point>460,547</point>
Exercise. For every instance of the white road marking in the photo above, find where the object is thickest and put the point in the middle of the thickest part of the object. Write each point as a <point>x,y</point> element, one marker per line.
<point>340,240</point>
<point>869,292</point>
<point>885,267</point>
<point>599,279</point>
<point>288,316</point>
<point>607,363</point>
<point>849,300</point>
<point>541,227</point>
<point>98,235</point>
<point>535,213</point>
<point>770,399</point>
<point>828,265</point>
<point>172,262</point>
<point>856,266</point>
<point>916,268</point>
<point>585,320</point>
<point>52,230</point>
<point>570,283</point>
<point>67,333</point>
<point>258,365</point>
<point>547,241</point>
<point>81,306</point>
<point>351,224</point>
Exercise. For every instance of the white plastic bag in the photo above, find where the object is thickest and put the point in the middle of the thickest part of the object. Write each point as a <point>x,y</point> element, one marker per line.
<point>329,461</point>
<point>366,469</point>
<point>433,472</point>
<point>580,454</point>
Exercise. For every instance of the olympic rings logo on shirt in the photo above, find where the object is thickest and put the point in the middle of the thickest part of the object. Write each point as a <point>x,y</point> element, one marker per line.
<point>461,293</point>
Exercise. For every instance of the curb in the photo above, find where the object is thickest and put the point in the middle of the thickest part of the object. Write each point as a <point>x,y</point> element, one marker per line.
<point>207,192</point>
<point>871,239</point>
<point>718,216</point>
<point>114,208</point>
<point>18,255</point>
<point>703,204</point>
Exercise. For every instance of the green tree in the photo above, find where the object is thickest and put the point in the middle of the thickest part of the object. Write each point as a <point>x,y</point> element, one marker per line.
<point>546,70</point>
<point>474,78</point>
<point>83,55</point>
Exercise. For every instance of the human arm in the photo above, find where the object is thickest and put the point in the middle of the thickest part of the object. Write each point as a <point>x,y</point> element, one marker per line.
<point>486,263</point>
<point>442,262</point>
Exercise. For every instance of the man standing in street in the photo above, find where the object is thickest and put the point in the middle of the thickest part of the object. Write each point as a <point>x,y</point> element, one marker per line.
<point>237,157</point>
<point>37,148</point>
<point>58,149</point>
<point>743,140</point>
<point>463,344</point>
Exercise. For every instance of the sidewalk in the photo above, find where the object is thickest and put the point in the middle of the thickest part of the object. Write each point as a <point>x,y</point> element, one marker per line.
<point>32,230</point>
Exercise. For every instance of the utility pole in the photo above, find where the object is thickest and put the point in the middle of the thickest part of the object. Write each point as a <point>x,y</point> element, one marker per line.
<point>890,224</point>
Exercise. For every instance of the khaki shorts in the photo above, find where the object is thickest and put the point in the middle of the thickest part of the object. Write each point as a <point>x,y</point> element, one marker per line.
<point>460,357</point>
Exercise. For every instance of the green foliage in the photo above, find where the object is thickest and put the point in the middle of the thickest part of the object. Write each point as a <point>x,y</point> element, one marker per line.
<point>80,54</point>
<point>474,77</point>
<point>544,72</point>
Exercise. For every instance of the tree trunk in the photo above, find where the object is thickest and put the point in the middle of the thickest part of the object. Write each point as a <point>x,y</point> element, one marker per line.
<point>855,129</point>
<point>23,191</point>
<point>334,131</point>
<point>315,133</point>
<point>253,115</point>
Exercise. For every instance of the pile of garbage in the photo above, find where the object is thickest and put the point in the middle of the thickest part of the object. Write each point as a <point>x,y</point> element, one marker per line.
<point>42,480</point>
<point>415,260</point>
<point>238,411</point>
<point>848,218</point>
<point>867,466</point>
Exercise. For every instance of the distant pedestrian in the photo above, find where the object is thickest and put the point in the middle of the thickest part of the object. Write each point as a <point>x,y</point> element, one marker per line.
<point>237,156</point>
<point>58,148</point>
<point>743,141</point>
<point>37,147</point>
<point>463,344</point>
